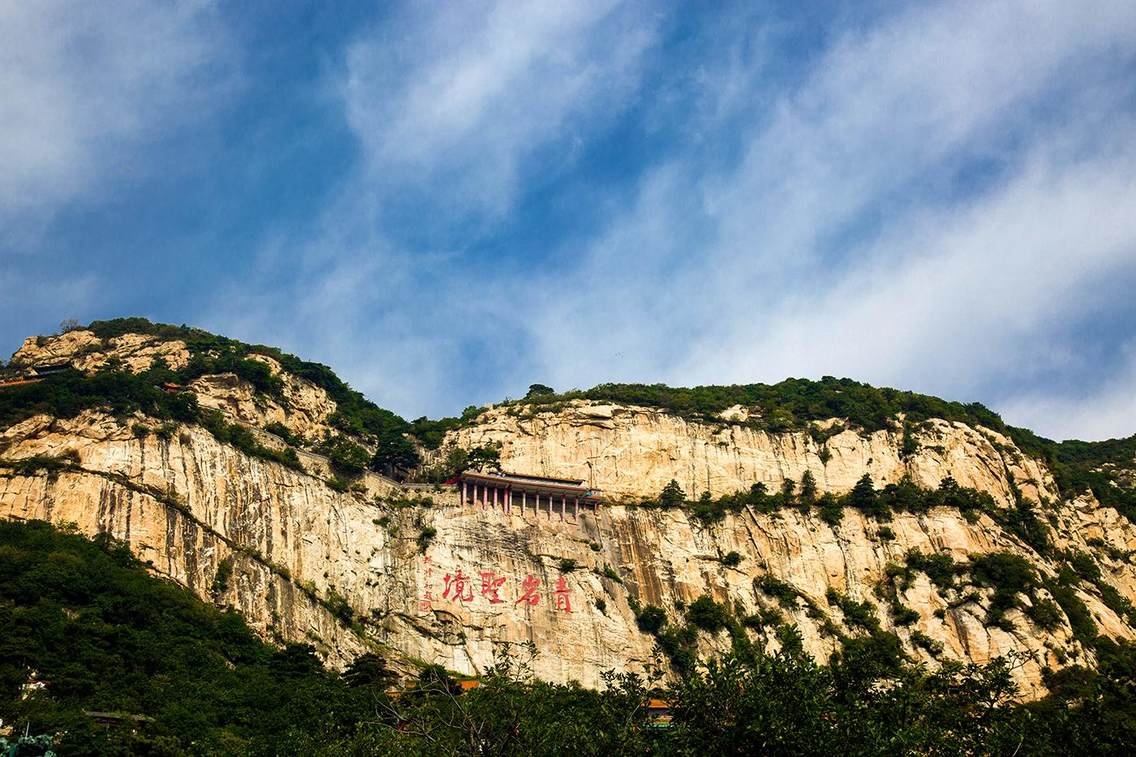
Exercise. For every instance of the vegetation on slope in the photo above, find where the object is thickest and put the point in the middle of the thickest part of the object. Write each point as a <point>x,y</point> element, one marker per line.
<point>84,619</point>
<point>355,414</point>
<point>785,406</point>
<point>87,629</point>
<point>122,393</point>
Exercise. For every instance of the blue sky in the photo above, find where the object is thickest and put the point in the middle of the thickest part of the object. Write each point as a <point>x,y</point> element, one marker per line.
<point>448,202</point>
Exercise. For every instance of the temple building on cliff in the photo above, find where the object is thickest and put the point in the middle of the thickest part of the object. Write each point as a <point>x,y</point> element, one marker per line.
<point>558,497</point>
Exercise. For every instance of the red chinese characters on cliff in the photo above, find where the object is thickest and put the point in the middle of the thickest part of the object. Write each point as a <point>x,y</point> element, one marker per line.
<point>529,594</point>
<point>460,585</point>
<point>563,603</point>
<point>491,585</point>
<point>426,603</point>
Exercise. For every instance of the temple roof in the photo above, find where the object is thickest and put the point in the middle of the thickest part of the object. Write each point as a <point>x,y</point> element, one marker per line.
<point>523,482</point>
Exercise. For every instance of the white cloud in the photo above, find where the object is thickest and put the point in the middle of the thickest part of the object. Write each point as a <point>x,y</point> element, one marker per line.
<point>450,102</point>
<point>83,84</point>
<point>842,241</point>
<point>953,294</point>
<point>454,106</point>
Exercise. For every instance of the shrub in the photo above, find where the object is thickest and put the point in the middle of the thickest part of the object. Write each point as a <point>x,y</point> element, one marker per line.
<point>707,614</point>
<point>792,643</point>
<point>279,429</point>
<point>425,536</point>
<point>940,568</point>
<point>221,579</point>
<point>338,606</point>
<point>808,493</point>
<point>784,593</point>
<point>567,565</point>
<point>731,559</point>
<point>345,456</point>
<point>860,614</point>
<point>651,619</point>
<point>902,615</point>
<point>923,641</point>
<point>831,511</point>
<point>1045,613</point>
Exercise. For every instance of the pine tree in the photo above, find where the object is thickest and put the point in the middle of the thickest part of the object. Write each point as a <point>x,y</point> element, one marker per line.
<point>672,495</point>
<point>808,493</point>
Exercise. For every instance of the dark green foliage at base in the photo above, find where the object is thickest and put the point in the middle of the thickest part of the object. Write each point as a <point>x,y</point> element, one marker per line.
<point>105,635</point>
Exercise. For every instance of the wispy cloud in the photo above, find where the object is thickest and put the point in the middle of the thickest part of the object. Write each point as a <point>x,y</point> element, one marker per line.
<point>83,85</point>
<point>453,108</point>
<point>450,102</point>
<point>932,197</point>
<point>846,242</point>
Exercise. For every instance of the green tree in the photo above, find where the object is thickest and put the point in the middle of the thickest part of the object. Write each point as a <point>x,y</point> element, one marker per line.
<point>808,493</point>
<point>788,488</point>
<point>394,453</point>
<point>539,390</point>
<point>672,495</point>
<point>345,456</point>
<point>865,498</point>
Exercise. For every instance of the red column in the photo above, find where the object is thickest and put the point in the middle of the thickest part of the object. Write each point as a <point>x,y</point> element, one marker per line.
<point>576,509</point>
<point>524,497</point>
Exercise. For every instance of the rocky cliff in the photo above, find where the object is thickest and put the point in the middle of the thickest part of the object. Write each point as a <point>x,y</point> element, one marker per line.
<point>425,580</point>
<point>632,452</point>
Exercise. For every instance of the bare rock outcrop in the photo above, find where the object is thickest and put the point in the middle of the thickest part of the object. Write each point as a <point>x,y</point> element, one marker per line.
<point>634,451</point>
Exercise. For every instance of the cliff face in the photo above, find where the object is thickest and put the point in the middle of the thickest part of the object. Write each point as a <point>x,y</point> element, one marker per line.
<point>634,451</point>
<point>189,504</point>
<point>349,571</point>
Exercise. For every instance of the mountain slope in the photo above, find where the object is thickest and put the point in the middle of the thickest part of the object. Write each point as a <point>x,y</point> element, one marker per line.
<point>968,541</point>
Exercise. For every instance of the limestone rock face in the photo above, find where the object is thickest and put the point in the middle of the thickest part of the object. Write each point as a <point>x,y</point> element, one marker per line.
<point>304,412</point>
<point>633,452</point>
<point>304,408</point>
<point>354,571</point>
<point>88,352</point>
